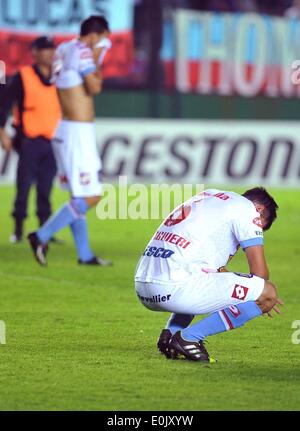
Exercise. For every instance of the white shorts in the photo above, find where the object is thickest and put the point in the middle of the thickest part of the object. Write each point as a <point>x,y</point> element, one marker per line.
<point>78,161</point>
<point>207,293</point>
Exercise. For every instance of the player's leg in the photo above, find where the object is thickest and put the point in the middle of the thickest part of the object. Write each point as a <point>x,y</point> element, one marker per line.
<point>79,230</point>
<point>75,171</point>
<point>70,211</point>
<point>86,181</point>
<point>80,234</point>
<point>71,214</point>
<point>67,150</point>
<point>233,314</point>
<point>65,216</point>
<point>159,297</point>
<point>176,322</point>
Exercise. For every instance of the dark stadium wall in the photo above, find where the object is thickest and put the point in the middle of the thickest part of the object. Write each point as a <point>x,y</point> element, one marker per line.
<point>146,104</point>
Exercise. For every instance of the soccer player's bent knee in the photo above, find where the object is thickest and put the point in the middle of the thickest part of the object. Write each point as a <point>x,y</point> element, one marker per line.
<point>268,298</point>
<point>79,205</point>
<point>92,201</point>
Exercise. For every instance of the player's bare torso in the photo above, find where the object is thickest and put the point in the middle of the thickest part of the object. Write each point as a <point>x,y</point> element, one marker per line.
<point>76,104</point>
<point>72,61</point>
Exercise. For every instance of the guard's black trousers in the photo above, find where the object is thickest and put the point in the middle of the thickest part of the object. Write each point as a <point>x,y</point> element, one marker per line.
<point>36,165</point>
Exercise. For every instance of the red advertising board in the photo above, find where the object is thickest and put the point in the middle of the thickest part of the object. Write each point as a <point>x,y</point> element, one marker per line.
<point>15,52</point>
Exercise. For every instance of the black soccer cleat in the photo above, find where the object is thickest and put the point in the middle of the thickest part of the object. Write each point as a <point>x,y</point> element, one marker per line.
<point>163,342</point>
<point>96,261</point>
<point>39,249</point>
<point>191,350</point>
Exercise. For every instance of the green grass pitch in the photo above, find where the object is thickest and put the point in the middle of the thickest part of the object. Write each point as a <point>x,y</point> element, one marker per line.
<point>78,339</point>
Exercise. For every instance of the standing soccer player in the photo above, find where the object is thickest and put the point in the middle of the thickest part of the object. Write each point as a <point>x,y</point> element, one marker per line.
<point>183,269</point>
<point>76,73</point>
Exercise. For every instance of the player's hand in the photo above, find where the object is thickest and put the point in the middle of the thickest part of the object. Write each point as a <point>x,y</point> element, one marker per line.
<point>223,269</point>
<point>101,49</point>
<point>5,139</point>
<point>275,308</point>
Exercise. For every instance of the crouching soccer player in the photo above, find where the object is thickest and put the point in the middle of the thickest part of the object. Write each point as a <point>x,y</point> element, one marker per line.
<point>76,72</point>
<point>182,270</point>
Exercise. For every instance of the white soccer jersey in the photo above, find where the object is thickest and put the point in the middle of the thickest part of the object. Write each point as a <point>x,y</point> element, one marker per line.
<point>72,61</point>
<point>203,234</point>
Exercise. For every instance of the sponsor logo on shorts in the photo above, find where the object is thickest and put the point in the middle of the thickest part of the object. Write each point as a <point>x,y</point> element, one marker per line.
<point>158,252</point>
<point>257,221</point>
<point>239,292</point>
<point>155,298</point>
<point>234,311</point>
<point>85,178</point>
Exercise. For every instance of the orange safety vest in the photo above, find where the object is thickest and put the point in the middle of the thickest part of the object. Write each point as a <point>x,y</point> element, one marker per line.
<point>41,106</point>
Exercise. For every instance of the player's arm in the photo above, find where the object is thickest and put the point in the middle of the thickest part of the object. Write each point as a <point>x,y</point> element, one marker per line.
<point>5,140</point>
<point>257,261</point>
<point>101,49</point>
<point>247,229</point>
<point>93,83</point>
<point>90,72</point>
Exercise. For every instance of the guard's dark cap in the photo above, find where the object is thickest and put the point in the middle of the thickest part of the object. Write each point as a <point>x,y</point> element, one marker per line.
<point>43,42</point>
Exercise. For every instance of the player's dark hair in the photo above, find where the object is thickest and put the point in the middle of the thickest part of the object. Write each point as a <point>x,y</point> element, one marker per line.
<point>261,196</point>
<point>94,24</point>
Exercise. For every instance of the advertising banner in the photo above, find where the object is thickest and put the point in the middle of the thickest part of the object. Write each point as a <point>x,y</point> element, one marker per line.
<point>190,152</point>
<point>23,20</point>
<point>227,54</point>
<point>206,53</point>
